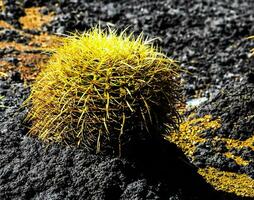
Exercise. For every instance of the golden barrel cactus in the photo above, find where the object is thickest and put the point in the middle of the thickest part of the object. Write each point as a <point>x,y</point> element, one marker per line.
<point>99,89</point>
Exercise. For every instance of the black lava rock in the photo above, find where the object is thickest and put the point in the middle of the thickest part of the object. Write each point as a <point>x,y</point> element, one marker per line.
<point>249,169</point>
<point>205,35</point>
<point>234,105</point>
<point>30,169</point>
<point>13,10</point>
<point>9,35</point>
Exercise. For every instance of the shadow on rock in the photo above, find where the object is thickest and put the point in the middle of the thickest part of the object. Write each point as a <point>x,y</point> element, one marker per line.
<point>161,161</point>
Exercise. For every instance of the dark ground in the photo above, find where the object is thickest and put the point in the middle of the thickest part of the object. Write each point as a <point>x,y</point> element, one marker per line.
<point>206,36</point>
<point>30,170</point>
<point>235,107</point>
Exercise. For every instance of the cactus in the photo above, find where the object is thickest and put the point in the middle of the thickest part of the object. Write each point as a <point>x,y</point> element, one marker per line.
<point>100,90</point>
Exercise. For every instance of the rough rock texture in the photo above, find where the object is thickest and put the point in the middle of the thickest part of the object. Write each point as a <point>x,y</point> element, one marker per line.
<point>13,10</point>
<point>206,36</point>
<point>234,105</point>
<point>31,170</point>
<point>12,35</point>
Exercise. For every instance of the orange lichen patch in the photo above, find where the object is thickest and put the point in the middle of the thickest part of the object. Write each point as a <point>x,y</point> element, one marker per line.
<point>34,19</point>
<point>15,45</point>
<point>30,65</point>
<point>188,135</point>
<point>5,66</point>
<point>28,61</point>
<point>240,184</point>
<point>38,42</point>
<point>5,25</point>
<point>45,41</point>
<point>237,159</point>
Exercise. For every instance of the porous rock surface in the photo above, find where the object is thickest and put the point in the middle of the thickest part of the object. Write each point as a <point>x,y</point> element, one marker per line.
<point>206,36</point>
<point>30,169</point>
<point>234,105</point>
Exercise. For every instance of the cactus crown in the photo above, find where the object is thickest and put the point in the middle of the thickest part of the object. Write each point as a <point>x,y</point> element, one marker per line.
<point>100,88</point>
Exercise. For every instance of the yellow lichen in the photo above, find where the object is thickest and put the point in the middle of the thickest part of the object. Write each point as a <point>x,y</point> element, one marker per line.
<point>188,135</point>
<point>252,50</point>
<point>231,143</point>
<point>2,74</point>
<point>240,184</point>
<point>237,159</point>
<point>1,5</point>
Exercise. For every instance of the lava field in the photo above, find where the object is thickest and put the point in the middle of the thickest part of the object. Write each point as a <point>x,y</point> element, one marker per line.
<point>212,154</point>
